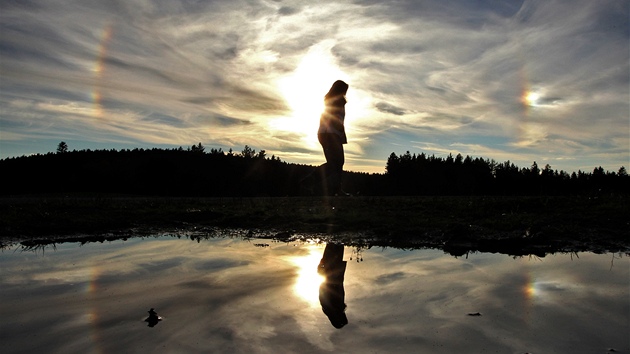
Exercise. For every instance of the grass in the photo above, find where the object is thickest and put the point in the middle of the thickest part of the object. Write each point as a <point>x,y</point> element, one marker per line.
<point>601,222</point>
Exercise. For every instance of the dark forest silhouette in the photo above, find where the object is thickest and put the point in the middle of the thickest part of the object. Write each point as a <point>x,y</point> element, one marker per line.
<point>196,172</point>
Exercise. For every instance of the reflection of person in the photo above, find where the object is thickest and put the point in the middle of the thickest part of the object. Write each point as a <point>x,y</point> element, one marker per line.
<point>331,292</point>
<point>332,136</point>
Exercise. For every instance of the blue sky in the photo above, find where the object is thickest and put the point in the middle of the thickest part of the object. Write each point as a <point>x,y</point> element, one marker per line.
<point>544,81</point>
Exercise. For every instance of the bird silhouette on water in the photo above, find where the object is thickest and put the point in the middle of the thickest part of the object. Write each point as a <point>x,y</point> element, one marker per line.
<point>153,318</point>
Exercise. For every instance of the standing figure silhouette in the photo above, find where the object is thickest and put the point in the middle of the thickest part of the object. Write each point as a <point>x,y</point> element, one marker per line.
<point>332,136</point>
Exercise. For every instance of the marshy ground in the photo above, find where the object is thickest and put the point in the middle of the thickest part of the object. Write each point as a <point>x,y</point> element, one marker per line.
<point>514,225</point>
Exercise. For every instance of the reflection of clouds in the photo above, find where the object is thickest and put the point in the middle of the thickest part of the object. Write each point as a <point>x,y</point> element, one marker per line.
<point>492,285</point>
<point>217,264</point>
<point>233,297</point>
<point>385,279</point>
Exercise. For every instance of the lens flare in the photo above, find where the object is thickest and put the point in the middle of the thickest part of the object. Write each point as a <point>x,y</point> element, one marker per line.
<point>527,132</point>
<point>92,314</point>
<point>99,71</point>
<point>531,98</point>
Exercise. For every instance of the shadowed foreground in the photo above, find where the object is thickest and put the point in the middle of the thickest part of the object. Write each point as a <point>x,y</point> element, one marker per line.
<point>512,225</point>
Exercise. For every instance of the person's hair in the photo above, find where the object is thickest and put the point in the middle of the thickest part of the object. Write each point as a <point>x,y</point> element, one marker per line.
<point>338,88</point>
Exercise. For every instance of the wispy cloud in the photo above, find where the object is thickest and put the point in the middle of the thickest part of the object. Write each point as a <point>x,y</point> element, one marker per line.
<point>549,79</point>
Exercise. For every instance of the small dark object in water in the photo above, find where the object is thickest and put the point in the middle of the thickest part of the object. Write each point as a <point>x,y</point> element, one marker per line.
<point>474,314</point>
<point>153,318</point>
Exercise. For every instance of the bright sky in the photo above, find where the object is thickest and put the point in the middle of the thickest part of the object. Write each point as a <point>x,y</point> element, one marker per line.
<point>507,80</point>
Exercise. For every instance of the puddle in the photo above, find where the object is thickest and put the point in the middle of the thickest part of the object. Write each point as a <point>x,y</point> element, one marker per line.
<point>264,296</point>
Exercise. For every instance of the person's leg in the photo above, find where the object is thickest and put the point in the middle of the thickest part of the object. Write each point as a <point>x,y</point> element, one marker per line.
<point>333,151</point>
<point>327,169</point>
<point>337,166</point>
<point>324,141</point>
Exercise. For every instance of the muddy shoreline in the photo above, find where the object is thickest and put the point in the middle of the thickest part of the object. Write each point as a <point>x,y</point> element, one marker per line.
<point>457,225</point>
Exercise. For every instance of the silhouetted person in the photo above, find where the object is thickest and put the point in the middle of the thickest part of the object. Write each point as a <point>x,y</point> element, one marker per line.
<point>331,292</point>
<point>332,136</point>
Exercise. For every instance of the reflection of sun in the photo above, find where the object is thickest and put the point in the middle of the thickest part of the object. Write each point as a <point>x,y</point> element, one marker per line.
<point>308,279</point>
<point>304,91</point>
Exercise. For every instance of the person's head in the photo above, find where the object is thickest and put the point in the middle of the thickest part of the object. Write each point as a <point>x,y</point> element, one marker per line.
<point>338,88</point>
<point>339,321</point>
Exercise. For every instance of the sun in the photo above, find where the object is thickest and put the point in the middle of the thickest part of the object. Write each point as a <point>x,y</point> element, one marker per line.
<point>304,91</point>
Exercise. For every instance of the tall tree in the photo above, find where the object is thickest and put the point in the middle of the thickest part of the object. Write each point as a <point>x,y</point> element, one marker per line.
<point>62,147</point>
<point>198,148</point>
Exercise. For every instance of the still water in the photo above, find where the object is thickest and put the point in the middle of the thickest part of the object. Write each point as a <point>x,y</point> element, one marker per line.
<point>261,296</point>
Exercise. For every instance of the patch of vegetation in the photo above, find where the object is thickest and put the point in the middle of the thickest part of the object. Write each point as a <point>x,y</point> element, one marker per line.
<point>468,222</point>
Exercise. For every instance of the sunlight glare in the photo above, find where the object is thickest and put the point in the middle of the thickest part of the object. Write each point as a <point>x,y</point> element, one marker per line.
<point>304,91</point>
<point>308,279</point>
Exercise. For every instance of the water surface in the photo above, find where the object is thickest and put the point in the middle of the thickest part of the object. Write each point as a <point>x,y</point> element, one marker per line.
<point>262,296</point>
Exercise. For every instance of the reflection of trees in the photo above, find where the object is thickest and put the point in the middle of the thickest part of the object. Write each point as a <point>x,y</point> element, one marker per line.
<point>357,254</point>
<point>331,291</point>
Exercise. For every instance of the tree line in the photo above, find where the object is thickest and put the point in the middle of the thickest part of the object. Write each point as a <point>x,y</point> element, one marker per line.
<point>419,174</point>
<point>194,171</point>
